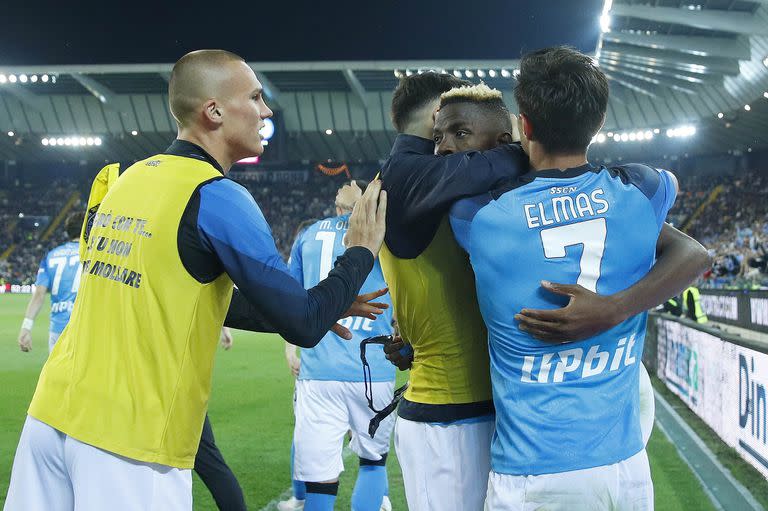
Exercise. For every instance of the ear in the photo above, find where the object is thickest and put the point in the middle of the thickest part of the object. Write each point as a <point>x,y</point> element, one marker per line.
<point>527,127</point>
<point>212,112</point>
<point>505,138</point>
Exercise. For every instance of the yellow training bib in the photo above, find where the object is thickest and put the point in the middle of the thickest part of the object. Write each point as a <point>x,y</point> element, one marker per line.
<point>435,304</point>
<point>131,373</point>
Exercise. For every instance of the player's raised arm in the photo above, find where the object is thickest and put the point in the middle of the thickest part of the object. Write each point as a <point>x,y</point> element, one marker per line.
<point>423,184</point>
<point>248,254</point>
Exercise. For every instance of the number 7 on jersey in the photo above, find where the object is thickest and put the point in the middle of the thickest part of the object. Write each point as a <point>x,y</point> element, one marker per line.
<point>591,234</point>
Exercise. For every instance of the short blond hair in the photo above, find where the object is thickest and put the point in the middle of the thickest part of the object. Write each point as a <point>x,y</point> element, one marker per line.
<point>484,97</point>
<point>472,93</point>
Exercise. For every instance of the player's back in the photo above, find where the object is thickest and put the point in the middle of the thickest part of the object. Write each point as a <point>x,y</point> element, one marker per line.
<point>335,359</point>
<point>563,407</point>
<point>60,273</point>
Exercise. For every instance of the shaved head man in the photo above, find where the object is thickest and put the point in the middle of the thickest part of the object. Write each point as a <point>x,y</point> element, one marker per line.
<point>117,415</point>
<point>218,102</point>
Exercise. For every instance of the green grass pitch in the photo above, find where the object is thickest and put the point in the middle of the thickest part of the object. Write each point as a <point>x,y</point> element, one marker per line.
<point>252,420</point>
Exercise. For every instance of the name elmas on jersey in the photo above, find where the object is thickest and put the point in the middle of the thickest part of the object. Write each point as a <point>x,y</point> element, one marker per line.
<point>565,208</point>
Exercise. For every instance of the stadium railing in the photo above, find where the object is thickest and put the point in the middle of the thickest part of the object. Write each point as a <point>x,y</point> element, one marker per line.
<point>721,377</point>
<point>738,307</point>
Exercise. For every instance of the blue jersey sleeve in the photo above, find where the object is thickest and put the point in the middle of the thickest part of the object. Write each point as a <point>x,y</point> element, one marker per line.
<point>295,263</point>
<point>43,278</point>
<point>659,186</point>
<point>231,224</point>
<point>665,196</point>
<point>461,215</point>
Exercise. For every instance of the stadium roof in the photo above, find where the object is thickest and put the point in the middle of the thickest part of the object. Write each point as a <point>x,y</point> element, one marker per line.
<point>671,63</point>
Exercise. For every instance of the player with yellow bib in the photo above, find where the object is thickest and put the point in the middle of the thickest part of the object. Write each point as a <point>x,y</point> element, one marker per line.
<point>118,411</point>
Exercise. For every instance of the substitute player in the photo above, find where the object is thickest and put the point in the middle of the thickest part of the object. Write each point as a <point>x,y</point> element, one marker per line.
<point>567,416</point>
<point>118,411</point>
<point>330,390</point>
<point>448,404</point>
<point>59,273</point>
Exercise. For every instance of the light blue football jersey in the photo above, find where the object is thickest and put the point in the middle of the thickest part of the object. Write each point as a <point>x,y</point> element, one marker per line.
<point>562,407</point>
<point>312,257</point>
<point>60,272</point>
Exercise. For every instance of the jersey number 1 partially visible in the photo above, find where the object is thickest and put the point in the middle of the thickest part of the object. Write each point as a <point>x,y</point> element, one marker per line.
<point>591,234</point>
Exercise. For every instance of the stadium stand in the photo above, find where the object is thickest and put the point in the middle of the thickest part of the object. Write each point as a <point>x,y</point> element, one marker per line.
<point>26,210</point>
<point>285,203</point>
<point>734,226</point>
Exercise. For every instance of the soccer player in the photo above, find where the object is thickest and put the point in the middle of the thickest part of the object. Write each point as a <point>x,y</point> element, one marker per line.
<point>475,118</point>
<point>448,406</point>
<point>59,273</point>
<point>118,411</point>
<point>567,416</point>
<point>330,390</point>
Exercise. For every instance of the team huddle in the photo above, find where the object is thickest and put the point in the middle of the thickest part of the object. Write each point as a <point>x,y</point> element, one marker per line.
<point>518,276</point>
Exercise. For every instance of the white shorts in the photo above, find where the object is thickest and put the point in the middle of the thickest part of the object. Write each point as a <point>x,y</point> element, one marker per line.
<point>445,466</point>
<point>647,405</point>
<point>623,486</point>
<point>52,338</point>
<point>325,411</point>
<point>55,472</point>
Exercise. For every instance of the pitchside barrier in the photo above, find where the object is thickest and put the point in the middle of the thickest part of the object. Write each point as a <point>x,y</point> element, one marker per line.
<point>23,289</point>
<point>743,308</point>
<point>720,376</point>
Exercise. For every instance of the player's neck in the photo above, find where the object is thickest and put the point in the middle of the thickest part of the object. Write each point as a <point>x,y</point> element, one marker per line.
<point>422,120</point>
<point>543,161</point>
<point>212,145</point>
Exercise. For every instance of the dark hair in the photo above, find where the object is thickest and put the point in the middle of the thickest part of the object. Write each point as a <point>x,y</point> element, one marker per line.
<point>74,224</point>
<point>565,97</point>
<point>493,107</point>
<point>303,225</point>
<point>415,91</point>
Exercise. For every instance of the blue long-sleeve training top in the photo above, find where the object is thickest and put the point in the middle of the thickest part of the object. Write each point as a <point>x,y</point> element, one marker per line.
<point>224,230</point>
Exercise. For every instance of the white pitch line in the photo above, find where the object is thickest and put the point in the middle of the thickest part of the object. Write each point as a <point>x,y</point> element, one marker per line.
<point>748,497</point>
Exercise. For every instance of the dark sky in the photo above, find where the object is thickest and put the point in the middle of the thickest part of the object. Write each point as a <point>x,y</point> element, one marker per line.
<point>117,32</point>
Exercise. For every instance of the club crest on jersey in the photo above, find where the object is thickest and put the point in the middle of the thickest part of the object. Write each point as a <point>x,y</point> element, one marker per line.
<point>573,363</point>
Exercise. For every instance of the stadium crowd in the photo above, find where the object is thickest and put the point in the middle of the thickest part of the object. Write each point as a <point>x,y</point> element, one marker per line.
<point>285,204</point>
<point>25,212</point>
<point>734,226</point>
